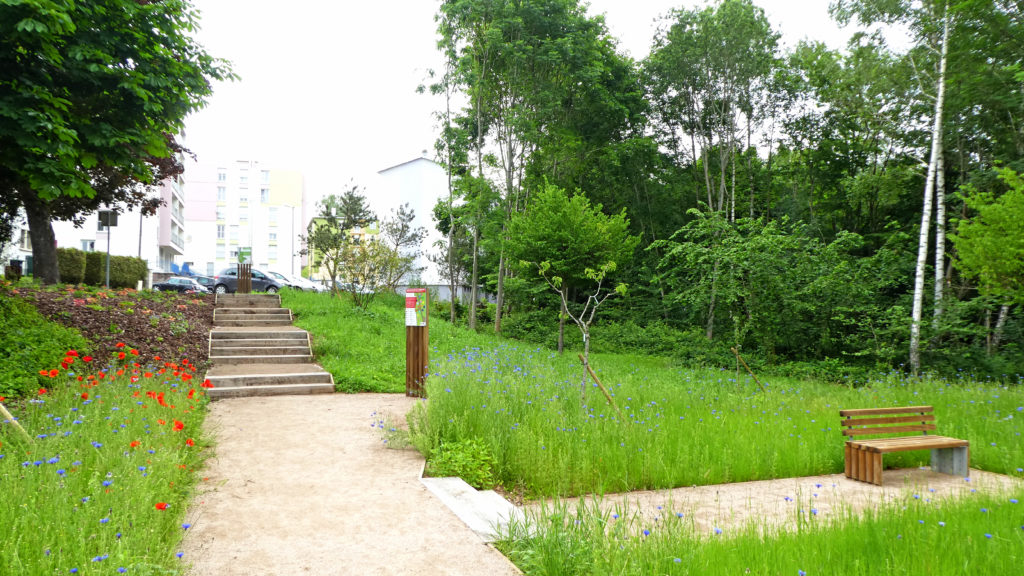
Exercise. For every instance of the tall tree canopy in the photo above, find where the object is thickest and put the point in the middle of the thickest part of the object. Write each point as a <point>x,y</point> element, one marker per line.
<point>90,96</point>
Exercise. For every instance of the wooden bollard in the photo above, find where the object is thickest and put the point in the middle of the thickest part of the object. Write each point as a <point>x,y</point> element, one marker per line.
<point>417,344</point>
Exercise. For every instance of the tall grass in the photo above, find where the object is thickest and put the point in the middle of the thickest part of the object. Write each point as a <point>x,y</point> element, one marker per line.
<point>978,535</point>
<point>102,485</point>
<point>679,427</point>
<point>364,349</point>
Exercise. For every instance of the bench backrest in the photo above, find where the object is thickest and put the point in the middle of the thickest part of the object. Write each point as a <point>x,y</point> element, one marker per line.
<point>895,420</point>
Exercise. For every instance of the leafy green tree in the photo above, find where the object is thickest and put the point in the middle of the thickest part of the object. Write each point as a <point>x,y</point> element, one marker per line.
<point>990,245</point>
<point>91,93</point>
<point>329,233</point>
<point>403,239</point>
<point>574,245</point>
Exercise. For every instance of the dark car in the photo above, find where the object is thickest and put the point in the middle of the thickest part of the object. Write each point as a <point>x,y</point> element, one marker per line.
<point>180,284</point>
<point>227,282</point>
<point>208,281</point>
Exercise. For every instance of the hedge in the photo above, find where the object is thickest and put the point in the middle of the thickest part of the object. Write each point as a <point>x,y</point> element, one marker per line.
<point>71,264</point>
<point>125,271</point>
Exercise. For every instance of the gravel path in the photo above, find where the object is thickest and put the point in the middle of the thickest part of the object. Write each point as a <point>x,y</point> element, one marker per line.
<point>303,485</point>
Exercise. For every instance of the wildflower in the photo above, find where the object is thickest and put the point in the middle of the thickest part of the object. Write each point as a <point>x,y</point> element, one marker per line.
<point>42,391</point>
<point>107,483</point>
<point>85,395</point>
<point>190,442</point>
<point>87,358</point>
<point>178,426</point>
<point>104,520</point>
<point>942,523</point>
<point>647,532</point>
<point>801,573</point>
<point>180,554</point>
<point>206,384</point>
<point>72,353</point>
<point>988,535</point>
<point>135,443</point>
<point>718,530</point>
<point>120,355</point>
<point>186,526</point>
<point>161,506</point>
<point>119,345</point>
<point>53,373</point>
<point>1013,500</point>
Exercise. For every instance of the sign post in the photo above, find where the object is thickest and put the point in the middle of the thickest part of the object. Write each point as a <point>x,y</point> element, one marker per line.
<point>108,218</point>
<point>416,341</point>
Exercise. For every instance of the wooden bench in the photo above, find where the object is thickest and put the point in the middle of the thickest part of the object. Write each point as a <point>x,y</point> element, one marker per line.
<point>864,457</point>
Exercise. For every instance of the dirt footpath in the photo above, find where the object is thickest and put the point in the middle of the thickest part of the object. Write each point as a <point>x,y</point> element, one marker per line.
<point>304,485</point>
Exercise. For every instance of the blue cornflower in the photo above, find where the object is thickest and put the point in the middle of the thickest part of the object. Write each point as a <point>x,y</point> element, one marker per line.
<point>180,554</point>
<point>801,573</point>
<point>186,526</point>
<point>107,482</point>
<point>61,472</point>
<point>122,570</point>
<point>1013,500</point>
<point>104,520</point>
<point>718,530</point>
<point>647,532</point>
<point>988,535</point>
<point>814,511</point>
<point>942,523</point>
<point>53,460</point>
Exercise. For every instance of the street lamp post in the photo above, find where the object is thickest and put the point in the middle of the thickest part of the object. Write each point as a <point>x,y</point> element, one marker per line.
<point>291,233</point>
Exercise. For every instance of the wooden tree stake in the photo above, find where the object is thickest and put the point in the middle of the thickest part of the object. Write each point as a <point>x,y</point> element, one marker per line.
<point>740,358</point>
<point>601,386</point>
<point>9,417</point>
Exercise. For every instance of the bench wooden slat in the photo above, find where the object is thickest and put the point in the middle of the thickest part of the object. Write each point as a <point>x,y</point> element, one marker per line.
<point>905,445</point>
<point>882,411</point>
<point>889,430</point>
<point>887,420</point>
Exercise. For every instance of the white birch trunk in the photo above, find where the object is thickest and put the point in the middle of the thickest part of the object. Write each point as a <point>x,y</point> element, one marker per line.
<point>940,234</point>
<point>926,213</point>
<point>1004,311</point>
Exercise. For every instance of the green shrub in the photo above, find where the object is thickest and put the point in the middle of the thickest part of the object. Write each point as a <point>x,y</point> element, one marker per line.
<point>469,459</point>
<point>126,271</point>
<point>71,263</point>
<point>31,343</point>
<point>95,268</point>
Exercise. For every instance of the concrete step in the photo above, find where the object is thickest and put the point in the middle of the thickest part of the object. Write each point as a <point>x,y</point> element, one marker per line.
<point>219,350</point>
<point>247,300</point>
<point>268,378</point>
<point>217,393</point>
<point>254,315</point>
<point>486,513</point>
<point>252,323</point>
<point>258,342</point>
<point>263,359</point>
<point>259,335</point>
<point>283,311</point>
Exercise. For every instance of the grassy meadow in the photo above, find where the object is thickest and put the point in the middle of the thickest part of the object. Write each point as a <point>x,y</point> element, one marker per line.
<point>516,409</point>
<point>99,482</point>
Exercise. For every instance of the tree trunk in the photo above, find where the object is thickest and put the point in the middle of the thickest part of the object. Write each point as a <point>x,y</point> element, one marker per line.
<point>940,235</point>
<point>561,321</point>
<point>926,215</point>
<point>997,336</point>
<point>44,243</point>
<point>501,293</point>
<point>709,330</point>
<point>473,282</point>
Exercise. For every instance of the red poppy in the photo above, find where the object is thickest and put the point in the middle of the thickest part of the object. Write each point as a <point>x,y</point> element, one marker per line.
<point>135,444</point>
<point>119,345</point>
<point>87,358</point>
<point>54,372</point>
<point>134,352</point>
<point>120,355</point>
<point>207,384</point>
<point>189,442</point>
<point>192,394</point>
<point>178,426</point>
<point>161,505</point>
<point>147,375</point>
<point>161,422</point>
<point>85,395</point>
<point>156,358</point>
<point>72,353</point>
<point>44,372</point>
<point>42,391</point>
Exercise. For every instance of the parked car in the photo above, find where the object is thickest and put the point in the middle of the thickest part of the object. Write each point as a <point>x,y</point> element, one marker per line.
<point>208,281</point>
<point>285,280</point>
<point>298,282</point>
<point>180,284</point>
<point>227,281</point>
<point>353,287</point>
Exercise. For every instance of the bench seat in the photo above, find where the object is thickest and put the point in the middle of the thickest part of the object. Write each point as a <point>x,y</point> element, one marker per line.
<point>863,457</point>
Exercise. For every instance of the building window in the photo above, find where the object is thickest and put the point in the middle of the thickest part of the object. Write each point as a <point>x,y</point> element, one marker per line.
<point>209,268</point>
<point>222,175</point>
<point>220,231</point>
<point>272,237</point>
<point>222,193</point>
<point>220,213</point>
<point>265,176</point>
<point>88,245</point>
<point>234,255</point>
<point>264,195</point>
<point>220,253</point>
<point>272,216</point>
<point>272,253</point>
<point>234,233</point>
<point>25,242</point>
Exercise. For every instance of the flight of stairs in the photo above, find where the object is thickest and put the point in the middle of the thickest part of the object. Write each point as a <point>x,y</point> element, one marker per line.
<point>255,350</point>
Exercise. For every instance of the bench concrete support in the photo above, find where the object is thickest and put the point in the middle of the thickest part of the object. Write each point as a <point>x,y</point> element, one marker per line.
<point>950,461</point>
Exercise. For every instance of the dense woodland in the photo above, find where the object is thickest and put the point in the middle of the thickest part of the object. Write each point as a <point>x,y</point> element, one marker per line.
<point>827,211</point>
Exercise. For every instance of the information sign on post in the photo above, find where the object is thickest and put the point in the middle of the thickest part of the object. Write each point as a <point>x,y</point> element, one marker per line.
<point>416,341</point>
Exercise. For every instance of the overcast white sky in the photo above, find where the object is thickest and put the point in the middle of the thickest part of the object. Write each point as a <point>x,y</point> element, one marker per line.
<point>328,88</point>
